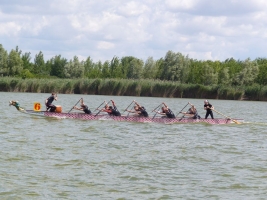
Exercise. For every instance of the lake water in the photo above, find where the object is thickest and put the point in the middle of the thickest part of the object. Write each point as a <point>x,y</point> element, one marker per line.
<point>43,158</point>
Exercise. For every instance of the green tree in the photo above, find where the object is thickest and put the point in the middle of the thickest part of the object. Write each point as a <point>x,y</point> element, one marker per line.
<point>115,68</point>
<point>233,66</point>
<point>88,67</point>
<point>150,69</point>
<point>223,77</point>
<point>3,61</point>
<point>74,68</point>
<point>26,58</point>
<point>105,70</point>
<point>248,74</point>
<point>97,71</point>
<point>159,68</point>
<point>15,63</point>
<point>195,72</point>
<point>135,69</point>
<point>57,65</point>
<point>176,67</point>
<point>39,66</point>
<point>210,76</point>
<point>262,76</point>
<point>125,62</point>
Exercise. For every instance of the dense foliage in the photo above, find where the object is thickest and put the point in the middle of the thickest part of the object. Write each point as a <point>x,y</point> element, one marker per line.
<point>174,68</point>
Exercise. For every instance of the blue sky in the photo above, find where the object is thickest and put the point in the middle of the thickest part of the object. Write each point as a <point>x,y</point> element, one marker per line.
<point>102,29</point>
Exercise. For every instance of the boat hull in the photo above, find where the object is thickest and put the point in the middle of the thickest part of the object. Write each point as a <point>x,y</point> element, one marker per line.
<point>164,120</point>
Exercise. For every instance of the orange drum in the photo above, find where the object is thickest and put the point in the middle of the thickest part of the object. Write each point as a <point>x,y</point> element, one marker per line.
<point>58,109</point>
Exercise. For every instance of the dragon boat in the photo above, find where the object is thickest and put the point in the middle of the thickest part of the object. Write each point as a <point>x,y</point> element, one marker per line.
<point>128,118</point>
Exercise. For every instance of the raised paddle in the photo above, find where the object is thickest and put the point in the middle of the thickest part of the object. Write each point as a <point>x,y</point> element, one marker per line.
<point>99,106</point>
<point>129,112</point>
<point>182,110</point>
<point>100,109</point>
<point>156,108</point>
<point>128,106</point>
<point>75,105</point>
<point>237,122</point>
<point>156,113</point>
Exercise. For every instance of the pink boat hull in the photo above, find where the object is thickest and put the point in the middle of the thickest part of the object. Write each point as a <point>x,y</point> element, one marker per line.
<point>129,118</point>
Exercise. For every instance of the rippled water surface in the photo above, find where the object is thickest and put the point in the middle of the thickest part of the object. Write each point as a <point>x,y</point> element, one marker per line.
<point>44,158</point>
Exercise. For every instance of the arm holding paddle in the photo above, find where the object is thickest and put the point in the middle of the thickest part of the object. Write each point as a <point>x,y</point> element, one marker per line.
<point>136,103</point>
<point>113,103</point>
<point>105,107</point>
<point>163,108</point>
<point>158,112</point>
<point>76,108</point>
<point>131,111</point>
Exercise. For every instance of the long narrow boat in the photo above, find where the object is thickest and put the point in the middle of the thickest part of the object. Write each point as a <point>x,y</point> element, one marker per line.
<point>83,116</point>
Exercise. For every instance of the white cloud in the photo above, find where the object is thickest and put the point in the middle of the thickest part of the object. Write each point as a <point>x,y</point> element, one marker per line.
<point>105,45</point>
<point>102,29</point>
<point>181,4</point>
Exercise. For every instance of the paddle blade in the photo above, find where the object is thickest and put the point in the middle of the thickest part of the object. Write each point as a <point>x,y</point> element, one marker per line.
<point>237,122</point>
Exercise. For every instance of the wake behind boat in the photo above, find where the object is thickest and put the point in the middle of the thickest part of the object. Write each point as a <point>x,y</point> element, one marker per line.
<point>128,118</point>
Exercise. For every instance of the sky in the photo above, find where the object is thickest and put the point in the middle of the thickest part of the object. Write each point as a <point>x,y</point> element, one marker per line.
<point>102,29</point>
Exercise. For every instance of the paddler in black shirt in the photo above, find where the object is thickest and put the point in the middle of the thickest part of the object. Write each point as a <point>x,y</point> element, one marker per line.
<point>192,112</point>
<point>208,107</point>
<point>111,110</point>
<point>141,111</point>
<point>166,111</point>
<point>83,107</point>
<point>48,102</point>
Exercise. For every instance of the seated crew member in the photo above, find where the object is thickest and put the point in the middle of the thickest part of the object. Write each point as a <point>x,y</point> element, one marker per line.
<point>192,112</point>
<point>48,102</point>
<point>140,110</point>
<point>208,107</point>
<point>166,111</point>
<point>83,107</point>
<point>137,112</point>
<point>111,110</point>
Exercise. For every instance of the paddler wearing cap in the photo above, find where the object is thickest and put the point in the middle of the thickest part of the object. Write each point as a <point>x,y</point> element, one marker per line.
<point>208,107</point>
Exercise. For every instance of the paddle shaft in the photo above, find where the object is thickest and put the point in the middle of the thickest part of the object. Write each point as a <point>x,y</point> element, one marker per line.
<point>129,112</point>
<point>75,105</point>
<point>237,122</point>
<point>99,106</point>
<point>156,113</point>
<point>157,107</point>
<point>128,107</point>
<point>100,109</point>
<point>182,110</point>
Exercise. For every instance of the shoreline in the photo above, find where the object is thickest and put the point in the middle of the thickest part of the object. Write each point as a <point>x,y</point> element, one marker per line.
<point>133,87</point>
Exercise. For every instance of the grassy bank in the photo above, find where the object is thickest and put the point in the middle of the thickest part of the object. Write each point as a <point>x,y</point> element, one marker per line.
<point>122,87</point>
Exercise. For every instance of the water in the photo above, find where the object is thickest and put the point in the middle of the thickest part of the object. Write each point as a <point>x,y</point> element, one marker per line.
<point>43,158</point>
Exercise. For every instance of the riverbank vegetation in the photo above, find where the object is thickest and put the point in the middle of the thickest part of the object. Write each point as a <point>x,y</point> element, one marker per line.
<point>174,75</point>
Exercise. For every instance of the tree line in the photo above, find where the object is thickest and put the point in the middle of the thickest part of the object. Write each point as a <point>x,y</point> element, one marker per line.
<point>173,67</point>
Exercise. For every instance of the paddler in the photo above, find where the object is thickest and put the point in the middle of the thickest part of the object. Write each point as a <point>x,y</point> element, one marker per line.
<point>208,107</point>
<point>140,110</point>
<point>83,107</point>
<point>165,110</point>
<point>48,102</point>
<point>192,112</point>
<point>111,110</point>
